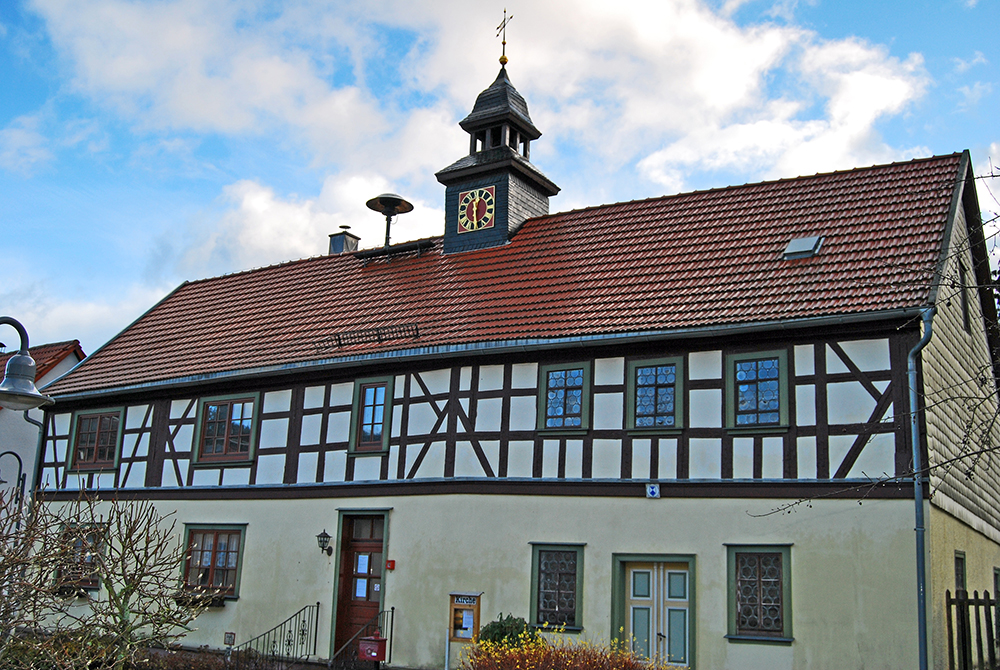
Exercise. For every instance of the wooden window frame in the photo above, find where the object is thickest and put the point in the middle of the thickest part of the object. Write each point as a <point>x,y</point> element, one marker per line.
<point>355,446</point>
<point>960,560</point>
<point>737,634</point>
<point>81,578</point>
<point>201,423</point>
<point>543,392</point>
<point>632,392</point>
<point>216,595</point>
<point>536,550</point>
<point>732,401</point>
<point>95,465</point>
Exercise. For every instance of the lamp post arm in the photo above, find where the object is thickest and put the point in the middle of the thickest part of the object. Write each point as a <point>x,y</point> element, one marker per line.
<point>8,321</point>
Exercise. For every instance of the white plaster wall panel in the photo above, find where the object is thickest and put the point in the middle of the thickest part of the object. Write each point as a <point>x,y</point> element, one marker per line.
<point>422,419</point>
<point>574,459</point>
<point>61,447</point>
<point>773,458</point>
<point>467,462</point>
<point>490,377</point>
<point>278,401</point>
<point>522,412</point>
<point>75,482</point>
<point>742,458</point>
<point>273,433</point>
<point>183,467</point>
<point>205,477</point>
<point>609,410</point>
<point>178,407</point>
<point>464,404</point>
<point>313,397</point>
<point>868,355</point>
<point>640,459</point>
<point>488,414</point>
<point>312,426</point>
<point>335,466</point>
<point>235,476</point>
<point>436,381</point>
<point>184,441</point>
<point>667,468</point>
<point>270,469</point>
<point>397,424</point>
<point>877,459</point>
<point>520,456</point>
<point>704,458</point>
<point>367,468</point>
<point>342,394</point>
<point>833,363</point>
<point>805,448</point>
<point>550,459</point>
<point>848,402</point>
<point>705,408</point>
<point>141,447</point>
<point>338,426</point>
<point>805,359</point>
<point>399,386</point>
<point>524,375</point>
<point>134,416</point>
<point>609,371</point>
<point>307,468</point>
<point>465,379</point>
<point>492,450</point>
<point>607,461</point>
<point>48,477</point>
<point>705,365</point>
<point>62,423</point>
<point>393,462</point>
<point>882,386</point>
<point>433,463</point>
<point>839,445</point>
<point>805,405</point>
<point>169,478</point>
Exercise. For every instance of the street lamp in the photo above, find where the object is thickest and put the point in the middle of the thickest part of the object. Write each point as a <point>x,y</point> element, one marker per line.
<point>17,390</point>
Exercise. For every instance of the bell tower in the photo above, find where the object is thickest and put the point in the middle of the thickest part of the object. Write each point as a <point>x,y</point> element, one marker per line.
<point>494,189</point>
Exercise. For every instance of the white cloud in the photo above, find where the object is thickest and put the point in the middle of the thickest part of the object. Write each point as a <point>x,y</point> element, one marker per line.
<point>971,95</point>
<point>22,147</point>
<point>977,59</point>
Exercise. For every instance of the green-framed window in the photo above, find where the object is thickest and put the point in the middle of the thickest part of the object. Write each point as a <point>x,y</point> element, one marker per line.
<point>655,394</point>
<point>214,559</point>
<point>96,439</point>
<point>371,415</point>
<point>757,390</point>
<point>227,428</point>
<point>760,593</point>
<point>557,586</point>
<point>564,397</point>
<point>79,568</point>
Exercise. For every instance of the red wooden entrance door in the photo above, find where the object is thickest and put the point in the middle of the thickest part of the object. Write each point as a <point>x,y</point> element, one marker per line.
<point>360,587</point>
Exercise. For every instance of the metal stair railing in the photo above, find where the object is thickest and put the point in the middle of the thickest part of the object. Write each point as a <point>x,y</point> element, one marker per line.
<point>291,641</point>
<point>346,658</point>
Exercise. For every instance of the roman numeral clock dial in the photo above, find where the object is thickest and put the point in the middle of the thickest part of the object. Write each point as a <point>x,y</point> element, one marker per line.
<point>476,209</point>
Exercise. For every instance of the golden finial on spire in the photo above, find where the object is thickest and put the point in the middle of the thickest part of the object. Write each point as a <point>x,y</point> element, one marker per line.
<point>502,29</point>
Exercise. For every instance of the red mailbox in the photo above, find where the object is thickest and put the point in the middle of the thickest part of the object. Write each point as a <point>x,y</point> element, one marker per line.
<point>371,649</point>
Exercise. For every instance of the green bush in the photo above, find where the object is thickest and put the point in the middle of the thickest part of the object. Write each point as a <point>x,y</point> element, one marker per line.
<point>510,631</point>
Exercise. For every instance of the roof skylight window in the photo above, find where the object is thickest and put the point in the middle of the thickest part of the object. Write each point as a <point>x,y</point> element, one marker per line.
<point>803,247</point>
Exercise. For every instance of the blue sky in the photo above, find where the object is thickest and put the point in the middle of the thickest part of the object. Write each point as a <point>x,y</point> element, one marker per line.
<point>147,143</point>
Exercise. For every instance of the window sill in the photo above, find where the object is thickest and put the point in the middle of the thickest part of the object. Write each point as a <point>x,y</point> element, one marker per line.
<point>225,462</point>
<point>549,628</point>
<point>76,591</point>
<point>93,469</point>
<point>368,452</point>
<point>757,430</point>
<point>562,432</point>
<point>646,432</point>
<point>760,640</point>
<point>202,599</point>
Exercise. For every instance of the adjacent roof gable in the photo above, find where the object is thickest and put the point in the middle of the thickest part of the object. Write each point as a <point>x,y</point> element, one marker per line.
<point>47,356</point>
<point>688,263</point>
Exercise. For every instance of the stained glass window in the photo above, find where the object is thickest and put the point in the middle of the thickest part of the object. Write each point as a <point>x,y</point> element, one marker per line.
<point>564,398</point>
<point>758,392</point>
<point>759,594</point>
<point>655,395</point>
<point>557,586</point>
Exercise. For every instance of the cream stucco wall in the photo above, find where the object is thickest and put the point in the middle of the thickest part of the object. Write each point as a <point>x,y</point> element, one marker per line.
<point>852,568</point>
<point>949,535</point>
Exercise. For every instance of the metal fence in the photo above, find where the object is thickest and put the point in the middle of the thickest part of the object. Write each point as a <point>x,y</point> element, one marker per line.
<point>346,658</point>
<point>282,647</point>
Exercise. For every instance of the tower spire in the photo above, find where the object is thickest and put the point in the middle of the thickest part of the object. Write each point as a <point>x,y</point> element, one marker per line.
<point>502,30</point>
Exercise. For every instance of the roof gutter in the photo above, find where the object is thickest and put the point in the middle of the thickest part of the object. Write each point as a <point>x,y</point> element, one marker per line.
<point>503,346</point>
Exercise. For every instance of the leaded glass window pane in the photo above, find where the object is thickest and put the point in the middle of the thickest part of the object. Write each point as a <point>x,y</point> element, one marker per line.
<point>557,587</point>
<point>758,392</point>
<point>758,594</point>
<point>564,398</point>
<point>655,392</point>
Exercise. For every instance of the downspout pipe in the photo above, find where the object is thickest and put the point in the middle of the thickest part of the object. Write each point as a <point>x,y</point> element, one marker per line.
<point>927,314</point>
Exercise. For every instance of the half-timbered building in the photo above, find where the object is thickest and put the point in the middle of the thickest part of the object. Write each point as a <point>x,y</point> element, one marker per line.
<point>600,420</point>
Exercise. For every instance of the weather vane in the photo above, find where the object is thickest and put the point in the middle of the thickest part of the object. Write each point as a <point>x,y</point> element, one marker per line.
<point>502,29</point>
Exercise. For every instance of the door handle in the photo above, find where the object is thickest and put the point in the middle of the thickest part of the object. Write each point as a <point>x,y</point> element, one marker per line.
<point>658,634</point>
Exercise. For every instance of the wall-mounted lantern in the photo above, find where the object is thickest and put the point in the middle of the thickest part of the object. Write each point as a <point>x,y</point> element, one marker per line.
<point>323,540</point>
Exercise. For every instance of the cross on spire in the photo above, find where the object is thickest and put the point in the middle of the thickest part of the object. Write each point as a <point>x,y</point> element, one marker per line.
<point>502,29</point>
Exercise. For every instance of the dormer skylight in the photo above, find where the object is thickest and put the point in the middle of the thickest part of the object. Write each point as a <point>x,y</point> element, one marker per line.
<point>803,247</point>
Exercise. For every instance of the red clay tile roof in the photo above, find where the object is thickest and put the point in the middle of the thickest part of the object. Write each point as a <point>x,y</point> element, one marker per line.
<point>46,356</point>
<point>688,261</point>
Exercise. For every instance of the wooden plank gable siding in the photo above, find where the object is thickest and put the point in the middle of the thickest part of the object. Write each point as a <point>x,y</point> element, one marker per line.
<point>846,404</point>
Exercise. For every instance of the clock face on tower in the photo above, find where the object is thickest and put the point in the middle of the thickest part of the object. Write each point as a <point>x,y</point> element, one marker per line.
<point>476,209</point>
